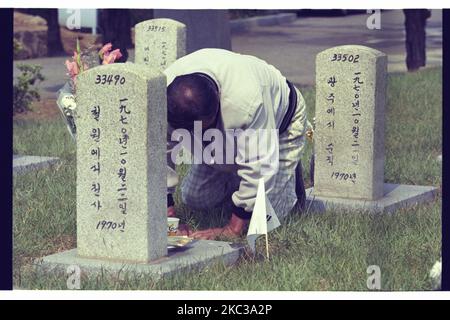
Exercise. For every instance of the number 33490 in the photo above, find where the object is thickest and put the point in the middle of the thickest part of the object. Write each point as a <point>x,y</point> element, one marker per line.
<point>109,79</point>
<point>343,57</point>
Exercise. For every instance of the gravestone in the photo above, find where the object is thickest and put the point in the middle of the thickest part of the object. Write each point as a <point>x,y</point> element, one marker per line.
<point>159,42</point>
<point>205,28</point>
<point>349,134</point>
<point>121,180</point>
<point>121,111</point>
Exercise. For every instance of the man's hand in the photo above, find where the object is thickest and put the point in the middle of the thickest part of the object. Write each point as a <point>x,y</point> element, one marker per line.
<point>233,229</point>
<point>184,230</point>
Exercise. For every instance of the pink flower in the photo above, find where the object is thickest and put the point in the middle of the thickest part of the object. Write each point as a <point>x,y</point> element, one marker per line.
<point>72,68</point>
<point>107,55</point>
<point>110,57</point>
<point>105,50</point>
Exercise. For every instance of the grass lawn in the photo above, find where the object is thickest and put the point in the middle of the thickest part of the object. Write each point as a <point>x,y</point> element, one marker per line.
<point>329,251</point>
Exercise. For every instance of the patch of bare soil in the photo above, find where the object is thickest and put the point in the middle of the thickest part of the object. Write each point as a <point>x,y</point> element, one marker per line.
<point>46,109</point>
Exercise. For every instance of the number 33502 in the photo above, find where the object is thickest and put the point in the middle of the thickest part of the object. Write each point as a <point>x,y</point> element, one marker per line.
<point>345,57</point>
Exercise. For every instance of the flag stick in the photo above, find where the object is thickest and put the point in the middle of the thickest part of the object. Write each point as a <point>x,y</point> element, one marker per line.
<point>267,246</point>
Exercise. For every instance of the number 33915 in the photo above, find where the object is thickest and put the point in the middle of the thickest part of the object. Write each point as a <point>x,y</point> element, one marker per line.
<point>109,79</point>
<point>345,57</point>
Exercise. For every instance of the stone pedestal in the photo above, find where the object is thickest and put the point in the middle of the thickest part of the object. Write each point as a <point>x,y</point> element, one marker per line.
<point>198,255</point>
<point>396,196</point>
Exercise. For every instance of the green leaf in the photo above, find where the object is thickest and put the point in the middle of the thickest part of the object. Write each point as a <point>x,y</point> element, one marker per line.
<point>80,65</point>
<point>78,46</point>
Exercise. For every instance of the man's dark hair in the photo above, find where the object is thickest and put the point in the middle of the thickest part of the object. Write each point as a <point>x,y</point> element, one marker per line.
<point>191,97</point>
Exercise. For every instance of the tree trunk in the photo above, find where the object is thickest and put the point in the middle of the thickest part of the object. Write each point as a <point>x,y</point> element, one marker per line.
<point>415,22</point>
<point>54,43</point>
<point>115,25</point>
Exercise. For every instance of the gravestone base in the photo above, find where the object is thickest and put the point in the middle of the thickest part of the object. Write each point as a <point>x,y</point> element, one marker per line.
<point>22,164</point>
<point>396,196</point>
<point>199,254</point>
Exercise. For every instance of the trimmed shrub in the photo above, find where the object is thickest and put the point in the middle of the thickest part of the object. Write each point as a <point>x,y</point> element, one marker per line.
<point>25,87</point>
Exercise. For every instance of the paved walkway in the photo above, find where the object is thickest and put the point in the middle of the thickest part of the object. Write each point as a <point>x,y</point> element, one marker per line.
<point>292,47</point>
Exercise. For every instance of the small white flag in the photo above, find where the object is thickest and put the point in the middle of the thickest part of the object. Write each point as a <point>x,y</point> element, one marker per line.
<point>263,218</point>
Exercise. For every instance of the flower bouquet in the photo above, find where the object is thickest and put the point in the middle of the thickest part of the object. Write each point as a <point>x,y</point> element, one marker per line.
<point>81,61</point>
